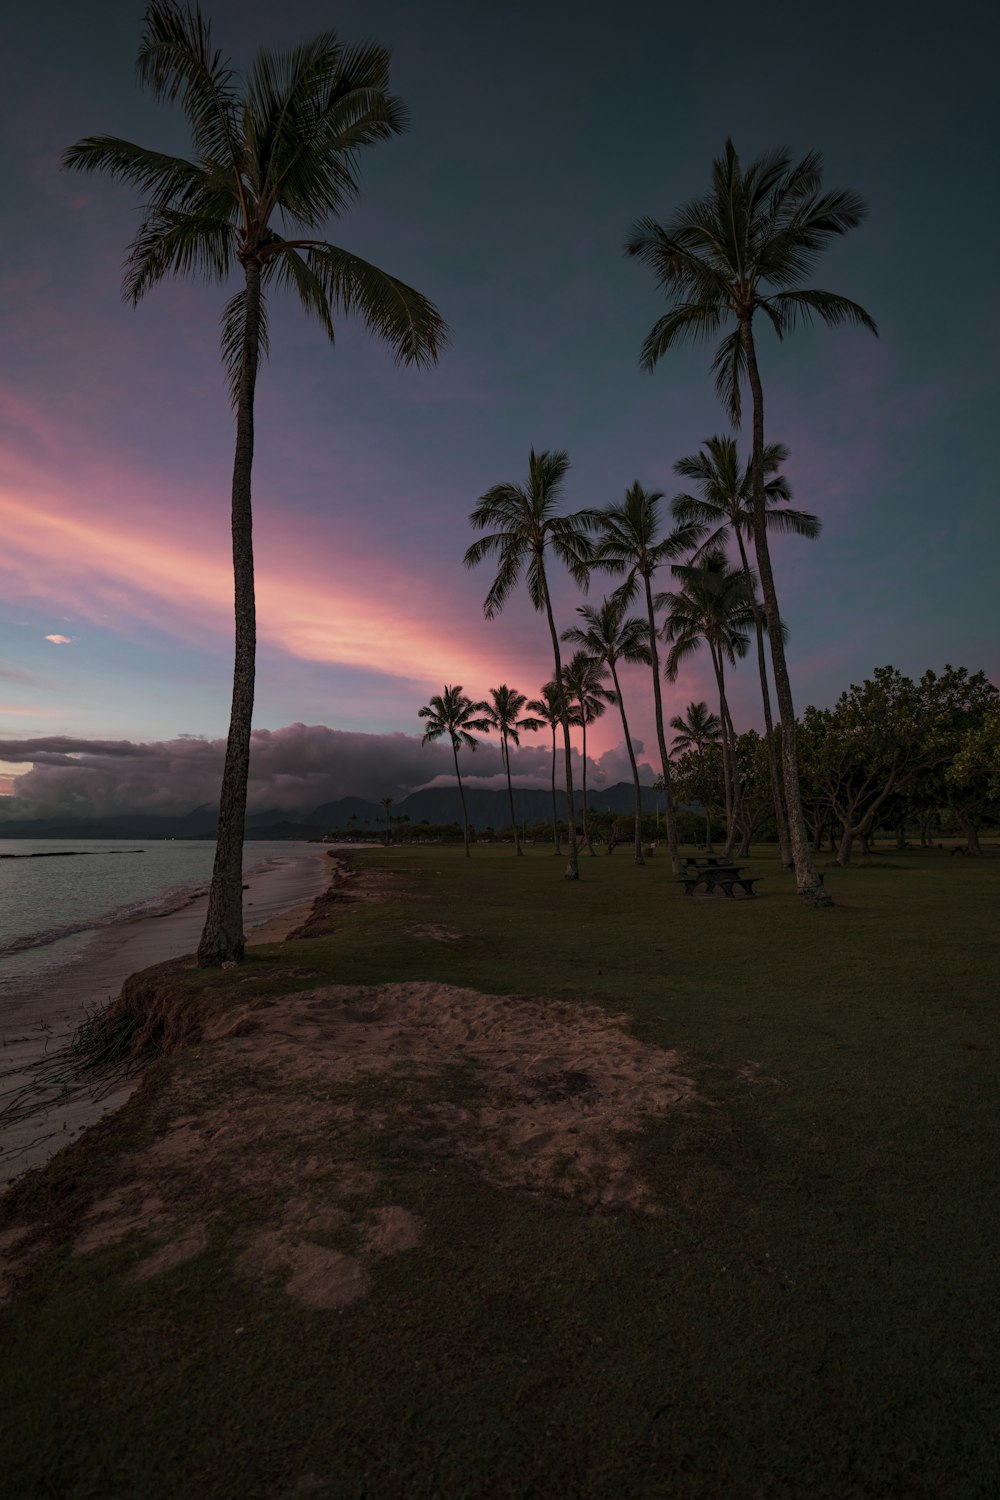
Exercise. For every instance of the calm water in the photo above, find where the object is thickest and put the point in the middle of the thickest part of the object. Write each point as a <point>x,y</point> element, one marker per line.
<point>54,894</point>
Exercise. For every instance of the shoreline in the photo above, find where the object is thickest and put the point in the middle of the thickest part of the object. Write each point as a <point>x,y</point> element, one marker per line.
<point>278,900</point>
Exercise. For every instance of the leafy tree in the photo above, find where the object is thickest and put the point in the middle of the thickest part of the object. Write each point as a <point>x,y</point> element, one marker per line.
<point>584,678</point>
<point>526,523</point>
<point>455,715</point>
<point>552,708</point>
<point>724,507</point>
<point>501,712</point>
<point>275,155</point>
<point>611,638</point>
<point>713,606</point>
<point>741,250</point>
<point>630,543</point>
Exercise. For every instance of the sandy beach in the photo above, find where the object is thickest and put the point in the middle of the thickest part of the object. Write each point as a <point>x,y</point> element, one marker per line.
<point>277,900</point>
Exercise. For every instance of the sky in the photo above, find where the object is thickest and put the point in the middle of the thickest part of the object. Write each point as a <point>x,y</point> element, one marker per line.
<point>538,134</point>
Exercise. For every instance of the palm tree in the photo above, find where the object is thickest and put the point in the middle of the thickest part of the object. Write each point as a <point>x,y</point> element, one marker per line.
<point>612,638</point>
<point>584,677</point>
<point>553,710</point>
<point>387,803</point>
<point>725,504</point>
<point>745,248</point>
<point>275,154</point>
<point>501,712</point>
<point>454,715</point>
<point>630,544</point>
<point>526,522</point>
<point>697,729</point>
<point>713,606</point>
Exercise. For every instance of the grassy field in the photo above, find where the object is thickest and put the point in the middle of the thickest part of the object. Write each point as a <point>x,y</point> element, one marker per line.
<point>814,1313</point>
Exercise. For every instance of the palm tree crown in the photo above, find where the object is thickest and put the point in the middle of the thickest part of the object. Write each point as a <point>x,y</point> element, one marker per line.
<point>696,728</point>
<point>744,248</point>
<point>723,506</point>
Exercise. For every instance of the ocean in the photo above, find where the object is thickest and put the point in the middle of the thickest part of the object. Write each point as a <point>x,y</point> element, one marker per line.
<point>56,894</point>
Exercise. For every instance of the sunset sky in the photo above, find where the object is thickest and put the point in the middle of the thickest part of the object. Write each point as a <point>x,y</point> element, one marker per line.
<point>538,134</point>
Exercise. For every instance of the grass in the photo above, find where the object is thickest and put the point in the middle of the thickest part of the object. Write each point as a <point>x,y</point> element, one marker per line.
<point>815,1314</point>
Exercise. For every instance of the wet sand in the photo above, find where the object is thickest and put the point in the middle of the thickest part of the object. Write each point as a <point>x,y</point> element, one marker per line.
<point>278,900</point>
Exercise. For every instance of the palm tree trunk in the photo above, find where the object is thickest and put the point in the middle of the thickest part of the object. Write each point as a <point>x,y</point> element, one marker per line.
<point>784,847</point>
<point>586,826</point>
<point>661,738</point>
<point>806,877</point>
<point>510,792</point>
<point>555,810</point>
<point>572,871</point>
<point>635,769</point>
<point>222,939</point>
<point>461,793</point>
<point>727,763</point>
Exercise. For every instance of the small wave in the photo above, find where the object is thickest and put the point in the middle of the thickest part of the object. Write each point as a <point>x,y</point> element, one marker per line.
<point>175,898</point>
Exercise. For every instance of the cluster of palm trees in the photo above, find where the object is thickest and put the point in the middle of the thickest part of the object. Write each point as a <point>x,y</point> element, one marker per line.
<point>743,249</point>
<point>275,156</point>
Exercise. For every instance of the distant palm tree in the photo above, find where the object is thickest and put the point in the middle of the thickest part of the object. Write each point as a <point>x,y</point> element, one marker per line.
<point>454,715</point>
<point>629,543</point>
<point>501,711</point>
<point>697,729</point>
<point>387,803</point>
<point>526,522</point>
<point>713,606</point>
<point>612,638</point>
<point>584,677</point>
<point>725,505</point>
<point>744,248</point>
<point>553,710</point>
<point>276,154</point>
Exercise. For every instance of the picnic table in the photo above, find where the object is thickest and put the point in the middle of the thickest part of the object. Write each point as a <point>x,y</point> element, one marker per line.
<point>713,873</point>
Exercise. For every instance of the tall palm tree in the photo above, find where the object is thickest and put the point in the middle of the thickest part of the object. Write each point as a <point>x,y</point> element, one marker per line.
<point>630,543</point>
<point>612,638</point>
<point>455,715</point>
<point>742,249</point>
<point>500,711</point>
<point>553,710</point>
<point>526,522</point>
<point>275,155</point>
<point>697,729</point>
<point>713,606</point>
<point>584,678</point>
<point>724,504</point>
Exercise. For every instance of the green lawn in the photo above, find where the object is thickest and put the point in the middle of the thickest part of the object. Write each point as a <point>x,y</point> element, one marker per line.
<point>815,1314</point>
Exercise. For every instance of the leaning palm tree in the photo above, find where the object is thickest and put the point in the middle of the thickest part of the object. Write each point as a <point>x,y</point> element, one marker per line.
<point>612,638</point>
<point>454,715</point>
<point>742,249</point>
<point>526,522</point>
<point>584,678</point>
<point>630,543</point>
<point>724,505</point>
<point>275,155</point>
<point>713,606</point>
<point>553,710</point>
<point>501,712</point>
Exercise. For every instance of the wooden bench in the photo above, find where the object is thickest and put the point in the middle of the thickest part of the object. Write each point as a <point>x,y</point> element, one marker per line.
<point>746,881</point>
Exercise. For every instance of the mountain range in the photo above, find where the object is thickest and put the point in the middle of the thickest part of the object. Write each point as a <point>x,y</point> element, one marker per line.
<point>487,809</point>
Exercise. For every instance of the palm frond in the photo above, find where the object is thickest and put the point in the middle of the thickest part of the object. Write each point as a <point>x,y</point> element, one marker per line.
<point>233,324</point>
<point>176,61</point>
<point>403,318</point>
<point>172,180</point>
<point>172,242</point>
<point>831,308</point>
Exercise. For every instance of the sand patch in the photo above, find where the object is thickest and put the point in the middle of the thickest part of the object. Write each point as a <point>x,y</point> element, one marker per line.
<point>267,1141</point>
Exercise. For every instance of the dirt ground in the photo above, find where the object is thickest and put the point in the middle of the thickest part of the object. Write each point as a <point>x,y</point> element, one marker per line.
<point>538,1096</point>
